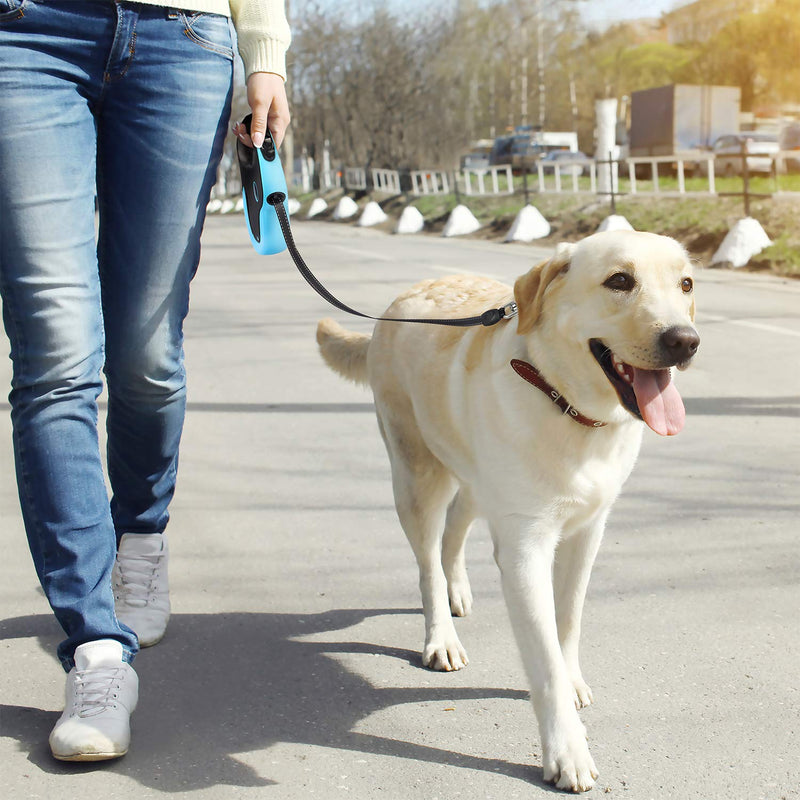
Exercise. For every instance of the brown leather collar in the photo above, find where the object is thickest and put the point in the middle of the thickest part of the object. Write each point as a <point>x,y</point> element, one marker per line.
<point>532,375</point>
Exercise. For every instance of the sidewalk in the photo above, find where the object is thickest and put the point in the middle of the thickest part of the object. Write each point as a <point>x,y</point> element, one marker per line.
<point>291,666</point>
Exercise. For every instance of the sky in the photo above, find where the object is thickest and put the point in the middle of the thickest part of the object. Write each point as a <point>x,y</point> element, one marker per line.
<point>607,11</point>
<point>595,12</point>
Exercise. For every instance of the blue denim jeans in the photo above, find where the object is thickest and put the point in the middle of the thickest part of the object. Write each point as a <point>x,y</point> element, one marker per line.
<point>128,104</point>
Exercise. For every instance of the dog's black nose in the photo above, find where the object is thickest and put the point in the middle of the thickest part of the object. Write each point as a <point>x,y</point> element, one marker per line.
<point>679,343</point>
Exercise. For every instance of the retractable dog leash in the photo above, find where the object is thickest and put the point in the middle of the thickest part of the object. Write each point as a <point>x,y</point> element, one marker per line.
<point>262,178</point>
<point>265,194</point>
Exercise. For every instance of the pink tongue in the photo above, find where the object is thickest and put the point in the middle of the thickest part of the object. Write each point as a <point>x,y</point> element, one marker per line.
<point>658,399</point>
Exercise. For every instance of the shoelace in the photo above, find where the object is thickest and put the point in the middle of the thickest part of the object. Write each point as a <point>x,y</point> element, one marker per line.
<point>95,690</point>
<point>137,576</point>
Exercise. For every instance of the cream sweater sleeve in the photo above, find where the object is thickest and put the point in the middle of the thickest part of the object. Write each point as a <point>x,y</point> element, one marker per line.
<point>263,34</point>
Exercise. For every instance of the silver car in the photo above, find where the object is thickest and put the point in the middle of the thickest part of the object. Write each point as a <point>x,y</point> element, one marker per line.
<point>760,148</point>
<point>568,162</point>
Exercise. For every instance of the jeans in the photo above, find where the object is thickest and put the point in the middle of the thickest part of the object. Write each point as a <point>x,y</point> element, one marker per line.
<point>121,108</point>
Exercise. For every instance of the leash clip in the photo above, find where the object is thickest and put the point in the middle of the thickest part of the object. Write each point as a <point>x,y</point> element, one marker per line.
<point>510,310</point>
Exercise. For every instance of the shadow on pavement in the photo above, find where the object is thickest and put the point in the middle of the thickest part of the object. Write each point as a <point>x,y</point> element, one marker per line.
<point>744,406</point>
<point>225,684</point>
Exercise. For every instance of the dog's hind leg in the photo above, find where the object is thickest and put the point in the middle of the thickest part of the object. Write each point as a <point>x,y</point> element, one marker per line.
<point>460,516</point>
<point>573,564</point>
<point>423,487</point>
<point>421,500</point>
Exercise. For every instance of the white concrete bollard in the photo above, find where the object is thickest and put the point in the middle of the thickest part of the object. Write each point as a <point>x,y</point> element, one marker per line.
<point>345,208</point>
<point>528,225</point>
<point>372,214</point>
<point>460,222</point>
<point>615,222</point>
<point>318,205</point>
<point>743,241</point>
<point>411,221</point>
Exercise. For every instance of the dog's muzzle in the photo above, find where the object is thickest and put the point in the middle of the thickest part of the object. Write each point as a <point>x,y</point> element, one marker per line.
<point>650,394</point>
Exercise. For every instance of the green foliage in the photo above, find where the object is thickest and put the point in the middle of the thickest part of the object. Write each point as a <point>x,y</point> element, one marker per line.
<point>758,53</point>
<point>652,64</point>
<point>782,257</point>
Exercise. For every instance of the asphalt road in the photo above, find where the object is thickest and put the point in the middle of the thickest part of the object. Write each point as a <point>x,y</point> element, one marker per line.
<point>291,666</point>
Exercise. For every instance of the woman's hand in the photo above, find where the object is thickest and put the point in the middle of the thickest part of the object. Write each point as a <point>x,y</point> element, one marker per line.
<point>266,96</point>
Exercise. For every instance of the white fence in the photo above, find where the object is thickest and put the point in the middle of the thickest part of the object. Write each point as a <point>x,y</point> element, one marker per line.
<point>355,178</point>
<point>386,180</point>
<point>497,186</point>
<point>571,168</point>
<point>644,176</point>
<point>330,179</point>
<point>429,181</point>
<point>704,162</point>
<point>699,163</point>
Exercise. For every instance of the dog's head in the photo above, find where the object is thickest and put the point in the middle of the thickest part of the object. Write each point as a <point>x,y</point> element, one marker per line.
<point>610,316</point>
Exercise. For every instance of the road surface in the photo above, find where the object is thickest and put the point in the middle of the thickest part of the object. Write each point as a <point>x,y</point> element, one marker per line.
<point>291,667</point>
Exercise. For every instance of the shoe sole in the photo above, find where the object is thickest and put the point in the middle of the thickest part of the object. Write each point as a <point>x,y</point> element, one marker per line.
<point>151,642</point>
<point>90,756</point>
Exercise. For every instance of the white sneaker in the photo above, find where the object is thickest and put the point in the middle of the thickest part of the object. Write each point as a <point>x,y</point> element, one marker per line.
<point>141,585</point>
<point>102,691</point>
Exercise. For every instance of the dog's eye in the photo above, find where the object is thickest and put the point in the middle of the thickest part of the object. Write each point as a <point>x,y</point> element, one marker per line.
<point>687,284</point>
<point>620,282</point>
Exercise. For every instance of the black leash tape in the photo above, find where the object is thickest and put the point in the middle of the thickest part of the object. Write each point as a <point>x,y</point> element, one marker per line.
<point>487,319</point>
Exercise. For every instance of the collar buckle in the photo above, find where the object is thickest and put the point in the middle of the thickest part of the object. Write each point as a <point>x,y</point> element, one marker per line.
<point>532,375</point>
<point>509,310</point>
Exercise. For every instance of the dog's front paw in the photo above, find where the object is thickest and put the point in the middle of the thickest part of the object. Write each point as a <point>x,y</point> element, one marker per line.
<point>444,653</point>
<point>570,766</point>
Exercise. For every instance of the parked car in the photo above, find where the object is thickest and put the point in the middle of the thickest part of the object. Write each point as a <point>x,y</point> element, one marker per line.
<point>760,147</point>
<point>517,150</point>
<point>569,162</point>
<point>789,139</point>
<point>478,155</point>
<point>475,160</point>
<point>525,154</point>
<point>506,147</point>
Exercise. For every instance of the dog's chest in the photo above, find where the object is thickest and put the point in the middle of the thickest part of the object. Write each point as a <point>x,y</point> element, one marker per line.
<point>555,475</point>
<point>596,484</point>
<point>594,479</point>
<point>589,466</point>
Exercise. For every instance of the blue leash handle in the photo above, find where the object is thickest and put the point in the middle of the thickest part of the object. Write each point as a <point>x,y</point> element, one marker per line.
<point>262,175</point>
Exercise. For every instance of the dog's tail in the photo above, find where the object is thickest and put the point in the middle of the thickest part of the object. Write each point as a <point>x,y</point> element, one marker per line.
<point>343,351</point>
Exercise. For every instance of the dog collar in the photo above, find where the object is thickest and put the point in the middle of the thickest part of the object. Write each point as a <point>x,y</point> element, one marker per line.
<point>532,375</point>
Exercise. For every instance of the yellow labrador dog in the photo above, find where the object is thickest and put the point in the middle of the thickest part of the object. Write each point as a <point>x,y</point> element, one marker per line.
<point>533,424</point>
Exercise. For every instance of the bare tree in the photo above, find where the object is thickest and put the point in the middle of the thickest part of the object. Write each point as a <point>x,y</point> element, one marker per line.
<point>391,89</point>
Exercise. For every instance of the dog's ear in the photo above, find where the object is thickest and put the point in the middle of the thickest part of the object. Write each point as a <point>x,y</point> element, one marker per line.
<point>529,289</point>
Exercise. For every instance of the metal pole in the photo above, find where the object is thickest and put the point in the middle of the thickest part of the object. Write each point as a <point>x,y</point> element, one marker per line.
<point>540,63</point>
<point>288,139</point>
<point>525,182</point>
<point>746,178</point>
<point>523,93</point>
<point>611,181</point>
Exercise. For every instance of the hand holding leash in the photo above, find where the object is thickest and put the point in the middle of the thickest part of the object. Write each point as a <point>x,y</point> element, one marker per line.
<point>262,177</point>
<point>266,96</point>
